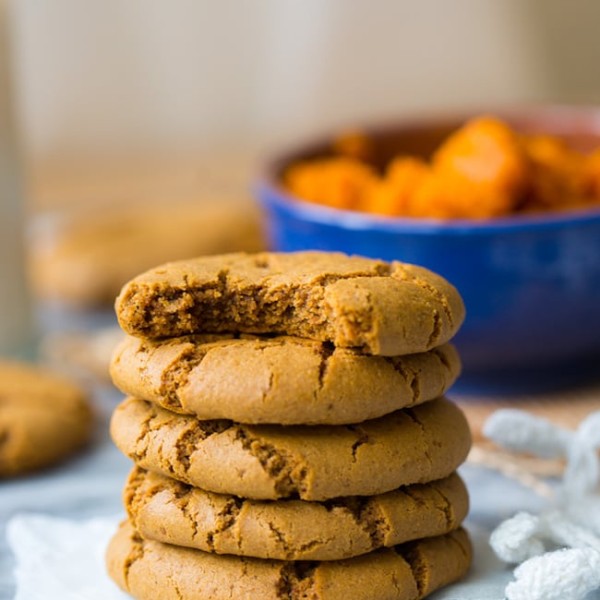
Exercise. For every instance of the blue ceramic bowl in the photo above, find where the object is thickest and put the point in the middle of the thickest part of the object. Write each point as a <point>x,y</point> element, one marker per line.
<point>531,284</point>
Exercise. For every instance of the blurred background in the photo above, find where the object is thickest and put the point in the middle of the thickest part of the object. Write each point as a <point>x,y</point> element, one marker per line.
<point>117,99</point>
<point>124,105</point>
<point>132,131</point>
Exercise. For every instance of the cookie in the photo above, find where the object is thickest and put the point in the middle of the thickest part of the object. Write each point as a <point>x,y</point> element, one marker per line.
<point>320,462</point>
<point>84,260</point>
<point>283,380</point>
<point>43,418</point>
<point>165,510</point>
<point>381,308</point>
<point>148,570</point>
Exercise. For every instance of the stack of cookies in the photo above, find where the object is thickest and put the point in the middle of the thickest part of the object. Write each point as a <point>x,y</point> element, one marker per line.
<point>286,417</point>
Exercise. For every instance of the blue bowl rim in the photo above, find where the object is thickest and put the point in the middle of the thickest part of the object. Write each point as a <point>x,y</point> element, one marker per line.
<point>270,191</point>
<point>272,194</point>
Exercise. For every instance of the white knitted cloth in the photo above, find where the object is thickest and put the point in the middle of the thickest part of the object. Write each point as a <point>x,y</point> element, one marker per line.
<point>560,548</point>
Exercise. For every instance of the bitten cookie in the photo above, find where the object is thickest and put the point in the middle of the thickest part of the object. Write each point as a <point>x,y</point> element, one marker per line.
<point>381,308</point>
<point>43,418</point>
<point>283,380</point>
<point>165,510</point>
<point>415,445</point>
<point>149,570</point>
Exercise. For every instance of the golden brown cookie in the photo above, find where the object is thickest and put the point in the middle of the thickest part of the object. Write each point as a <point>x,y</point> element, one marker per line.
<point>149,570</point>
<point>43,418</point>
<point>85,260</point>
<point>320,462</point>
<point>381,308</point>
<point>166,510</point>
<point>283,380</point>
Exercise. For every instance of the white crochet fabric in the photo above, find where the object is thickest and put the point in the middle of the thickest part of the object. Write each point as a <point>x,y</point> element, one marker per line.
<point>572,524</point>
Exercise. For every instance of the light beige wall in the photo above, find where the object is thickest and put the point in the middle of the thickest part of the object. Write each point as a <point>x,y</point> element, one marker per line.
<point>105,78</point>
<point>567,35</point>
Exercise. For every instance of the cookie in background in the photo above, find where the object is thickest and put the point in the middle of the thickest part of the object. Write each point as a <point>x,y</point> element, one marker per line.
<point>83,258</point>
<point>44,418</point>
